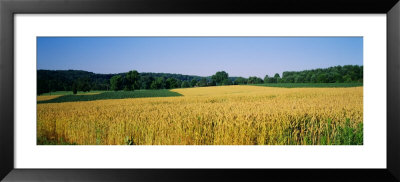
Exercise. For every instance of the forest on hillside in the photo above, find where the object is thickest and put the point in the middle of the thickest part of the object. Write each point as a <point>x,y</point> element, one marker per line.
<point>78,80</point>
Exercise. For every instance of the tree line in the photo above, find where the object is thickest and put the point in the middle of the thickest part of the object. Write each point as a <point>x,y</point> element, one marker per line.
<point>70,80</point>
<point>336,74</point>
<point>76,80</point>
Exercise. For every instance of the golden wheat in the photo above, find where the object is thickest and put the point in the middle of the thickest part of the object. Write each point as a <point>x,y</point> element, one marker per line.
<point>226,115</point>
<point>47,97</point>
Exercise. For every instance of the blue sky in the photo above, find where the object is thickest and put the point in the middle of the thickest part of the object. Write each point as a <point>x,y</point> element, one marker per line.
<point>202,56</point>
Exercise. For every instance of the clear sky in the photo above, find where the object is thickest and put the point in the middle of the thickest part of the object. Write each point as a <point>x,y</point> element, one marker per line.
<point>202,56</point>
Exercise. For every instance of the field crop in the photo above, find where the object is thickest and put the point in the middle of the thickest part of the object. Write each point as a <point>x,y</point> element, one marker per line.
<point>310,85</point>
<point>225,115</point>
<point>110,95</point>
<point>46,97</point>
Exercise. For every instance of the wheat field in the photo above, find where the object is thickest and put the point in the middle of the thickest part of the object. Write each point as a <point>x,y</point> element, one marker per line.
<point>46,97</point>
<point>223,115</point>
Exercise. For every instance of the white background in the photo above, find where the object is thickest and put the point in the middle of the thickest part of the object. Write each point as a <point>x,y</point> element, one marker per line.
<point>371,155</point>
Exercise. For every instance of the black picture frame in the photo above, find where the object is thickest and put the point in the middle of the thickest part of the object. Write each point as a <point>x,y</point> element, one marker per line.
<point>8,8</point>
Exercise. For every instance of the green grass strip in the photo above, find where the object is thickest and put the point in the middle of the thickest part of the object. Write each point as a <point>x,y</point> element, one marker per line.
<point>112,95</point>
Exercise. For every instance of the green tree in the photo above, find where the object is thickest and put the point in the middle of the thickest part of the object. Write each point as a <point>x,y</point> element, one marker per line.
<point>52,85</point>
<point>219,77</point>
<point>185,84</point>
<point>277,78</point>
<point>178,83</point>
<point>42,86</point>
<point>322,78</point>
<point>116,82</point>
<point>153,85</point>
<point>226,82</point>
<point>158,83</point>
<point>266,79</point>
<point>193,83</point>
<point>85,84</point>
<point>308,77</point>
<point>313,79</point>
<point>145,82</point>
<point>202,82</point>
<point>288,79</point>
<point>299,79</point>
<point>240,81</point>
<point>171,83</point>
<point>347,79</point>
<point>74,88</point>
<point>132,79</point>
<point>337,77</point>
<point>254,80</point>
<point>212,83</point>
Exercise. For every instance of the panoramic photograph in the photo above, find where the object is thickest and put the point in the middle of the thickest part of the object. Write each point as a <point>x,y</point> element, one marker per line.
<point>199,91</point>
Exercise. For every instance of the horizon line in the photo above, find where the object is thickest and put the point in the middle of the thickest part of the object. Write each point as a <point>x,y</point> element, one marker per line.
<point>194,75</point>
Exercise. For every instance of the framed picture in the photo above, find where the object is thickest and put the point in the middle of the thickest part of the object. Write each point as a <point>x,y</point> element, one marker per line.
<point>204,90</point>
